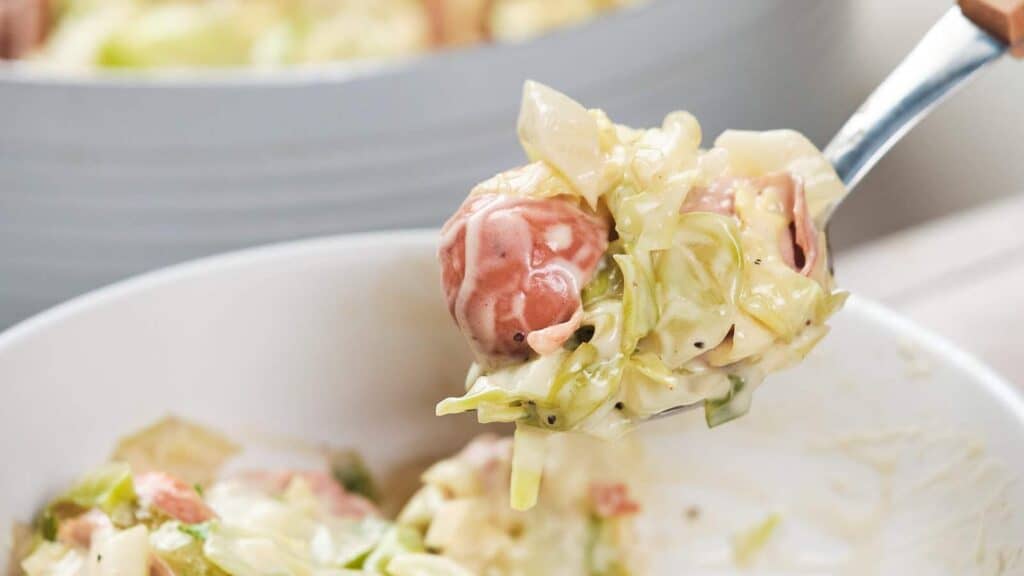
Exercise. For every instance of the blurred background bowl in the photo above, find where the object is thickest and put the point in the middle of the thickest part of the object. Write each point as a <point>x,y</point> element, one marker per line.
<point>105,176</point>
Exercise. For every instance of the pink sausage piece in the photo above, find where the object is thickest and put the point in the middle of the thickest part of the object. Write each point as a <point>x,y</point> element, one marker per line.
<point>173,497</point>
<point>611,499</point>
<point>512,270</point>
<point>77,532</point>
<point>803,234</point>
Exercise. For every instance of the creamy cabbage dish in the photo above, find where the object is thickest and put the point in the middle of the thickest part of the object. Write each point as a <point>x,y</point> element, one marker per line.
<point>211,33</point>
<point>624,272</point>
<point>162,508</point>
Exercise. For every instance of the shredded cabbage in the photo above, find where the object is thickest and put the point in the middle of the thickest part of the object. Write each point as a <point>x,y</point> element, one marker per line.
<point>603,553</point>
<point>527,466</point>
<point>397,541</point>
<point>181,549</point>
<point>749,543</point>
<point>556,129</point>
<point>126,553</point>
<point>639,306</point>
<point>698,283</point>
<point>51,559</point>
<point>108,488</point>
<point>238,551</point>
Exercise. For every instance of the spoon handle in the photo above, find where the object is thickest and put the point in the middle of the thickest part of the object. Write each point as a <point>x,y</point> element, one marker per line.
<point>948,55</point>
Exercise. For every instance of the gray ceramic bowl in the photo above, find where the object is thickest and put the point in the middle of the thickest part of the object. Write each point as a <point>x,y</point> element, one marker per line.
<point>102,177</point>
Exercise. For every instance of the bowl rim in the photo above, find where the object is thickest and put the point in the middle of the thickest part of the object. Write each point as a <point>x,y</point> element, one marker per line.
<point>1001,389</point>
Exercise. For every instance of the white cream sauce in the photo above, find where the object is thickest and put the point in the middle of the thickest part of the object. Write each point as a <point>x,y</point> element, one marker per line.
<point>558,237</point>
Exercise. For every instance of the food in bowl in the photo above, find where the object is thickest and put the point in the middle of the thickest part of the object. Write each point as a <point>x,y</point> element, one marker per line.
<point>160,508</point>
<point>270,33</point>
<point>625,272</point>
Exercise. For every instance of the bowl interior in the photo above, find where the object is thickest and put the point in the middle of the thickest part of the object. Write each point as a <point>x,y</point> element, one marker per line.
<point>888,451</point>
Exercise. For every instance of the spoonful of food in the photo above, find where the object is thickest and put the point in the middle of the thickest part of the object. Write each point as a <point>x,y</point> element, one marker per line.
<point>625,275</point>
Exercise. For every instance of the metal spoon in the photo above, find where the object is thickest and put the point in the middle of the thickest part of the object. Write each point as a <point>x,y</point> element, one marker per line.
<point>965,40</point>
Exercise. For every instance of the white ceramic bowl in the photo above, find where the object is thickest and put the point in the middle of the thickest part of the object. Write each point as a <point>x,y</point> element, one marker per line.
<point>887,452</point>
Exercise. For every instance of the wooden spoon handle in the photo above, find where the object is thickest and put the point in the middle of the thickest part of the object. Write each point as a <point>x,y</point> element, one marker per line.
<point>1003,19</point>
<point>23,26</point>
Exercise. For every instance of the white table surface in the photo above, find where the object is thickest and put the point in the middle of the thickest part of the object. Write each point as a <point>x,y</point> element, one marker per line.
<point>961,276</point>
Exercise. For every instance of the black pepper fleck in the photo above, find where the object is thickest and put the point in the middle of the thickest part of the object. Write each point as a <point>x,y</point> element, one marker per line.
<point>519,337</point>
<point>757,261</point>
<point>692,513</point>
<point>698,345</point>
<point>584,334</point>
<point>552,419</point>
<point>807,323</point>
<point>619,405</point>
